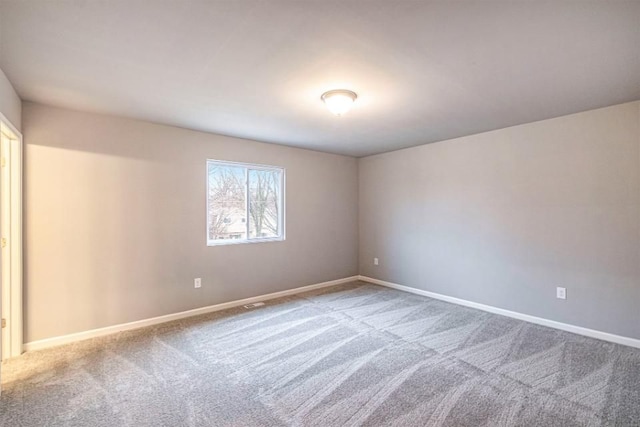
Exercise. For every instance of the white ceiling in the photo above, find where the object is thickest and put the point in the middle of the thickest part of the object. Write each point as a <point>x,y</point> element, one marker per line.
<point>424,71</point>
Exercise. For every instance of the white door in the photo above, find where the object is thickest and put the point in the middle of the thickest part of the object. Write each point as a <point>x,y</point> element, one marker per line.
<point>10,240</point>
<point>5,153</point>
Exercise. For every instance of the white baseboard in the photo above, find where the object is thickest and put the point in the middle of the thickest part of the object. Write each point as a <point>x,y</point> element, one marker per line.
<point>93,333</point>
<point>592,333</point>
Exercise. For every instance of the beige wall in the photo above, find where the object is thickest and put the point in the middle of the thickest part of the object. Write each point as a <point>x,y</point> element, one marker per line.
<point>503,217</point>
<point>115,221</point>
<point>499,218</point>
<point>10,104</point>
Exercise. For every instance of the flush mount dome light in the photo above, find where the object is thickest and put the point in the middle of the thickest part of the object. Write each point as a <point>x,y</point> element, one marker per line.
<point>339,101</point>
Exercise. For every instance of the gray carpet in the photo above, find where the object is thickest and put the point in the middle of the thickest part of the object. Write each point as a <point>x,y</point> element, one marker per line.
<point>352,355</point>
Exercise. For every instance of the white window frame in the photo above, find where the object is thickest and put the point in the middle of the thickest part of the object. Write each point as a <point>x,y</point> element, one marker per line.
<point>281,203</point>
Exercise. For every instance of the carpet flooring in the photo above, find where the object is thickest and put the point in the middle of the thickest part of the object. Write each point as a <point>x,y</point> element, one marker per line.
<point>351,355</point>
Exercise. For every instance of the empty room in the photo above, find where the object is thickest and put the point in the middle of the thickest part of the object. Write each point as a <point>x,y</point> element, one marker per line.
<point>240,213</point>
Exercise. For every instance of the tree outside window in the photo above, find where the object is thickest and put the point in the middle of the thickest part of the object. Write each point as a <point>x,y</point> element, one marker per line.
<point>244,203</point>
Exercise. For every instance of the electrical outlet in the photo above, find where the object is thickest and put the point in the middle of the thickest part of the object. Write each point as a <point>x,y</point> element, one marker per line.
<point>197,282</point>
<point>375,261</point>
<point>561,293</point>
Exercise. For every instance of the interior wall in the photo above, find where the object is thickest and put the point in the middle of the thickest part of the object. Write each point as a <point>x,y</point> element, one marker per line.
<point>10,104</point>
<point>115,221</point>
<point>503,218</point>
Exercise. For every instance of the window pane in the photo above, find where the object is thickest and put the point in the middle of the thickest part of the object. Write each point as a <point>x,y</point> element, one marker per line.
<point>227,202</point>
<point>264,197</point>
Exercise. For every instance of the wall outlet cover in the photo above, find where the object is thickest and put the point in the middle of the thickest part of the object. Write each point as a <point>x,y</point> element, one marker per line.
<point>561,293</point>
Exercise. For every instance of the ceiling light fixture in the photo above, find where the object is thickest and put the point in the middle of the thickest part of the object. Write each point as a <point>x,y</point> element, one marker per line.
<point>339,101</point>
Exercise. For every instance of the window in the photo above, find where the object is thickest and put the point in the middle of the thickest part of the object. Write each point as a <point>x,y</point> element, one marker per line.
<point>245,203</point>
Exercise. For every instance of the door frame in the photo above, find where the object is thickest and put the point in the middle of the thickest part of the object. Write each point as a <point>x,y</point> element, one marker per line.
<point>11,263</point>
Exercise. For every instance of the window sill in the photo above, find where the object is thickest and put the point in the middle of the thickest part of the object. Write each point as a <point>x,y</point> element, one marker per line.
<point>241,241</point>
